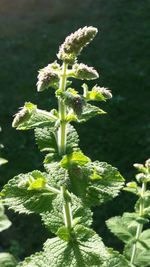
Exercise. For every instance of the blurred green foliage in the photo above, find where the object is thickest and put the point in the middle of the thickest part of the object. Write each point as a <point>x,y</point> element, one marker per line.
<point>30,35</point>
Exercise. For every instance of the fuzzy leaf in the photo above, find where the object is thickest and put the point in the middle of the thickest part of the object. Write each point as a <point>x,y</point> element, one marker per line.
<point>58,175</point>
<point>46,139</point>
<point>4,221</point>
<point>73,159</point>
<point>90,111</point>
<point>7,260</point>
<point>116,260</point>
<point>19,198</point>
<point>123,227</point>
<point>96,182</point>
<point>87,250</point>
<point>54,219</point>
<point>29,117</point>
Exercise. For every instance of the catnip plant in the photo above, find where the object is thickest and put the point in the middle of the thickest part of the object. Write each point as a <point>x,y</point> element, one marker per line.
<point>129,227</point>
<point>71,183</point>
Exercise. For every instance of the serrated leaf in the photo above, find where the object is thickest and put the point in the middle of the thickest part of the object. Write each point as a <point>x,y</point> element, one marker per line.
<point>96,191</point>
<point>87,250</point>
<point>54,219</point>
<point>57,175</point>
<point>46,139</point>
<point>29,117</point>
<point>4,221</point>
<point>90,111</point>
<point>73,159</point>
<point>19,198</point>
<point>7,260</point>
<point>116,260</point>
<point>123,227</point>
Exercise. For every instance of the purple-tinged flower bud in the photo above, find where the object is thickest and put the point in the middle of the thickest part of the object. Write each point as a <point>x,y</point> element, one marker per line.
<point>75,102</point>
<point>74,44</point>
<point>48,77</point>
<point>83,72</point>
<point>104,91</point>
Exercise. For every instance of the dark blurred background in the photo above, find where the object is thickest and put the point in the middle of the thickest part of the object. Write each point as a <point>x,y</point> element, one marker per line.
<point>30,34</point>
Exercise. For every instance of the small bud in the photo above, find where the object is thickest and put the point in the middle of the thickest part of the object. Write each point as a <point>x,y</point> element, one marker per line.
<point>24,114</point>
<point>141,177</point>
<point>74,44</point>
<point>132,184</point>
<point>104,91</point>
<point>48,77</point>
<point>83,72</point>
<point>140,167</point>
<point>20,117</point>
<point>147,163</point>
<point>99,94</point>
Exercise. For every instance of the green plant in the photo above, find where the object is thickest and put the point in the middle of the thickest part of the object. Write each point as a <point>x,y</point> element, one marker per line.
<point>129,227</point>
<point>71,184</point>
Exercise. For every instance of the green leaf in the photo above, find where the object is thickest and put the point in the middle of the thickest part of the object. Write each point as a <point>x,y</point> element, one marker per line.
<point>19,198</point>
<point>46,139</point>
<point>7,260</point>
<point>54,219</point>
<point>4,221</point>
<point>123,227</point>
<point>90,111</point>
<point>115,260</point>
<point>86,250</point>
<point>3,161</point>
<point>96,182</point>
<point>30,117</point>
<point>58,175</point>
<point>73,159</point>
<point>63,233</point>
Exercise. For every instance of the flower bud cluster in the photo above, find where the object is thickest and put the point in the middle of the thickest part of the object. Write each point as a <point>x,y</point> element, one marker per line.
<point>74,44</point>
<point>74,101</point>
<point>83,72</point>
<point>48,77</point>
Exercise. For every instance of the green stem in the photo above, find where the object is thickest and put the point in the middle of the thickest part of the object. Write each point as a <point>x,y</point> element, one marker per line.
<point>62,113</point>
<point>139,226</point>
<point>52,189</point>
<point>67,209</point>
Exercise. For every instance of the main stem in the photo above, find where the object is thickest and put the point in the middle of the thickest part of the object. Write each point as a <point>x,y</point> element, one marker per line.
<point>67,211</point>
<point>62,113</point>
<point>140,226</point>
